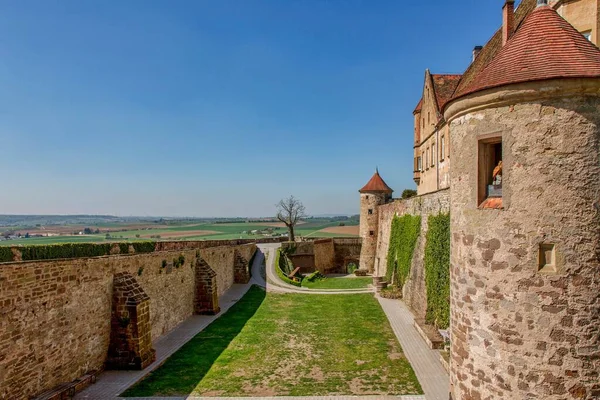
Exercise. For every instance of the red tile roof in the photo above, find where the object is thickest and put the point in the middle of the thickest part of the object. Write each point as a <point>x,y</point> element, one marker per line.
<point>419,106</point>
<point>376,184</point>
<point>544,47</point>
<point>444,86</point>
<point>493,46</point>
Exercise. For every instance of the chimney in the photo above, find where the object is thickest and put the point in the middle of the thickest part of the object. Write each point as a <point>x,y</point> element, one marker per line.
<point>508,20</point>
<point>476,51</point>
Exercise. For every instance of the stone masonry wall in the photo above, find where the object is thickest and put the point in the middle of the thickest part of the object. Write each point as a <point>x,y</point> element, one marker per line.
<point>55,315</point>
<point>369,211</point>
<point>324,255</point>
<point>414,292</point>
<point>518,331</point>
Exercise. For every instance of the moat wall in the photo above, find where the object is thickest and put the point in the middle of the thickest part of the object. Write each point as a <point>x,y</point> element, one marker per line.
<point>328,256</point>
<point>55,315</point>
<point>414,291</point>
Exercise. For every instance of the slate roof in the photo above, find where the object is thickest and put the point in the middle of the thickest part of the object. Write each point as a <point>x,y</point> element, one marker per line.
<point>545,46</point>
<point>376,184</point>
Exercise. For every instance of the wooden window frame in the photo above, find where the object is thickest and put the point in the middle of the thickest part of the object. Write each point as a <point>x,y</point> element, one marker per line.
<point>484,163</point>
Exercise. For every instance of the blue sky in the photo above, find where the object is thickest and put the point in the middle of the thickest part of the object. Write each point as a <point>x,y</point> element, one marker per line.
<point>217,108</point>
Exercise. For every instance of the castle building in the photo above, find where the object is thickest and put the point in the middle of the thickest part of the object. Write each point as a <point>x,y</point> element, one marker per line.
<point>374,194</point>
<point>432,139</point>
<point>525,275</point>
<point>431,132</point>
<point>522,127</point>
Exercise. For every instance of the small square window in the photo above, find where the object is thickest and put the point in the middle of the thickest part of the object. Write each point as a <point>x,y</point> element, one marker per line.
<point>490,174</point>
<point>370,211</point>
<point>547,258</point>
<point>371,233</point>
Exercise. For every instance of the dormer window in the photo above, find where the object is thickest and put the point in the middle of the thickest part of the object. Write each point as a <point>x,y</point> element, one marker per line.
<point>587,35</point>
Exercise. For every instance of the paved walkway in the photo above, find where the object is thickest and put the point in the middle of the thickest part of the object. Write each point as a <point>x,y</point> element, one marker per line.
<point>425,362</point>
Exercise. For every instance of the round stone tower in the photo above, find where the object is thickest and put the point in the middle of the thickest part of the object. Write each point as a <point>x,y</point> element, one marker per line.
<point>525,219</point>
<point>375,193</point>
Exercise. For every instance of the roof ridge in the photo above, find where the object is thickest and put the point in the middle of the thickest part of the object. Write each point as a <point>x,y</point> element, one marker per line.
<point>545,46</point>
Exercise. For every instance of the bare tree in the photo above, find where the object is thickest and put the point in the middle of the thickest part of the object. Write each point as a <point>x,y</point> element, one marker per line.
<point>290,211</point>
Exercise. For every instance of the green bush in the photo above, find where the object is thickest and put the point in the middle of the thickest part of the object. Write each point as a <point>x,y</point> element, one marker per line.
<point>408,193</point>
<point>352,267</point>
<point>6,254</point>
<point>315,276</point>
<point>282,259</point>
<point>72,250</point>
<point>403,237</point>
<point>143,247</point>
<point>437,270</point>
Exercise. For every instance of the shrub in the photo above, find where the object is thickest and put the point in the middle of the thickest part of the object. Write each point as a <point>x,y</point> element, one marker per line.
<point>179,261</point>
<point>6,254</point>
<point>391,292</point>
<point>352,267</point>
<point>437,270</point>
<point>315,276</point>
<point>280,259</point>
<point>74,250</point>
<point>403,237</point>
<point>408,193</point>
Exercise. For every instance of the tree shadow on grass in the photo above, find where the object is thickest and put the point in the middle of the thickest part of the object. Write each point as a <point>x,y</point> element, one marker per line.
<point>182,372</point>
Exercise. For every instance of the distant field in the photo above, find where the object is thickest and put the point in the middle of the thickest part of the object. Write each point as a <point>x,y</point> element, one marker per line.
<point>185,231</point>
<point>343,230</point>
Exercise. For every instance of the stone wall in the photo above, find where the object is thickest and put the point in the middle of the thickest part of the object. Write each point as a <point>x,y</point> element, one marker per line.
<point>525,294</point>
<point>55,316</point>
<point>324,250</point>
<point>414,291</point>
<point>346,251</point>
<point>328,256</point>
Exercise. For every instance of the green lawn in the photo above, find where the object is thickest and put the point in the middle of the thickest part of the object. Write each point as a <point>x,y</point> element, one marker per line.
<point>338,283</point>
<point>289,344</point>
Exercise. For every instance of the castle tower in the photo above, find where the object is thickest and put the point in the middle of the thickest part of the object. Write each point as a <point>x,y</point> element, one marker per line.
<point>525,218</point>
<point>375,193</point>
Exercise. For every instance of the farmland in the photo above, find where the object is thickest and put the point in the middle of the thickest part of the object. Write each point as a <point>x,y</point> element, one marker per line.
<point>171,230</point>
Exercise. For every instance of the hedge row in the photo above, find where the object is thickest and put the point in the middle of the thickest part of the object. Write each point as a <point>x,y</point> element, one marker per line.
<point>71,250</point>
<point>403,237</point>
<point>437,270</point>
<point>6,254</point>
<point>282,263</point>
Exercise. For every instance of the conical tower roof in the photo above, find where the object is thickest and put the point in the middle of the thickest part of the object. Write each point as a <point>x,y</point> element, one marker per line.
<point>377,185</point>
<point>545,46</point>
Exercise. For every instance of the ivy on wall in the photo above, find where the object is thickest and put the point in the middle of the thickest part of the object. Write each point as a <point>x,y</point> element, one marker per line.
<point>437,270</point>
<point>403,237</point>
<point>72,250</point>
